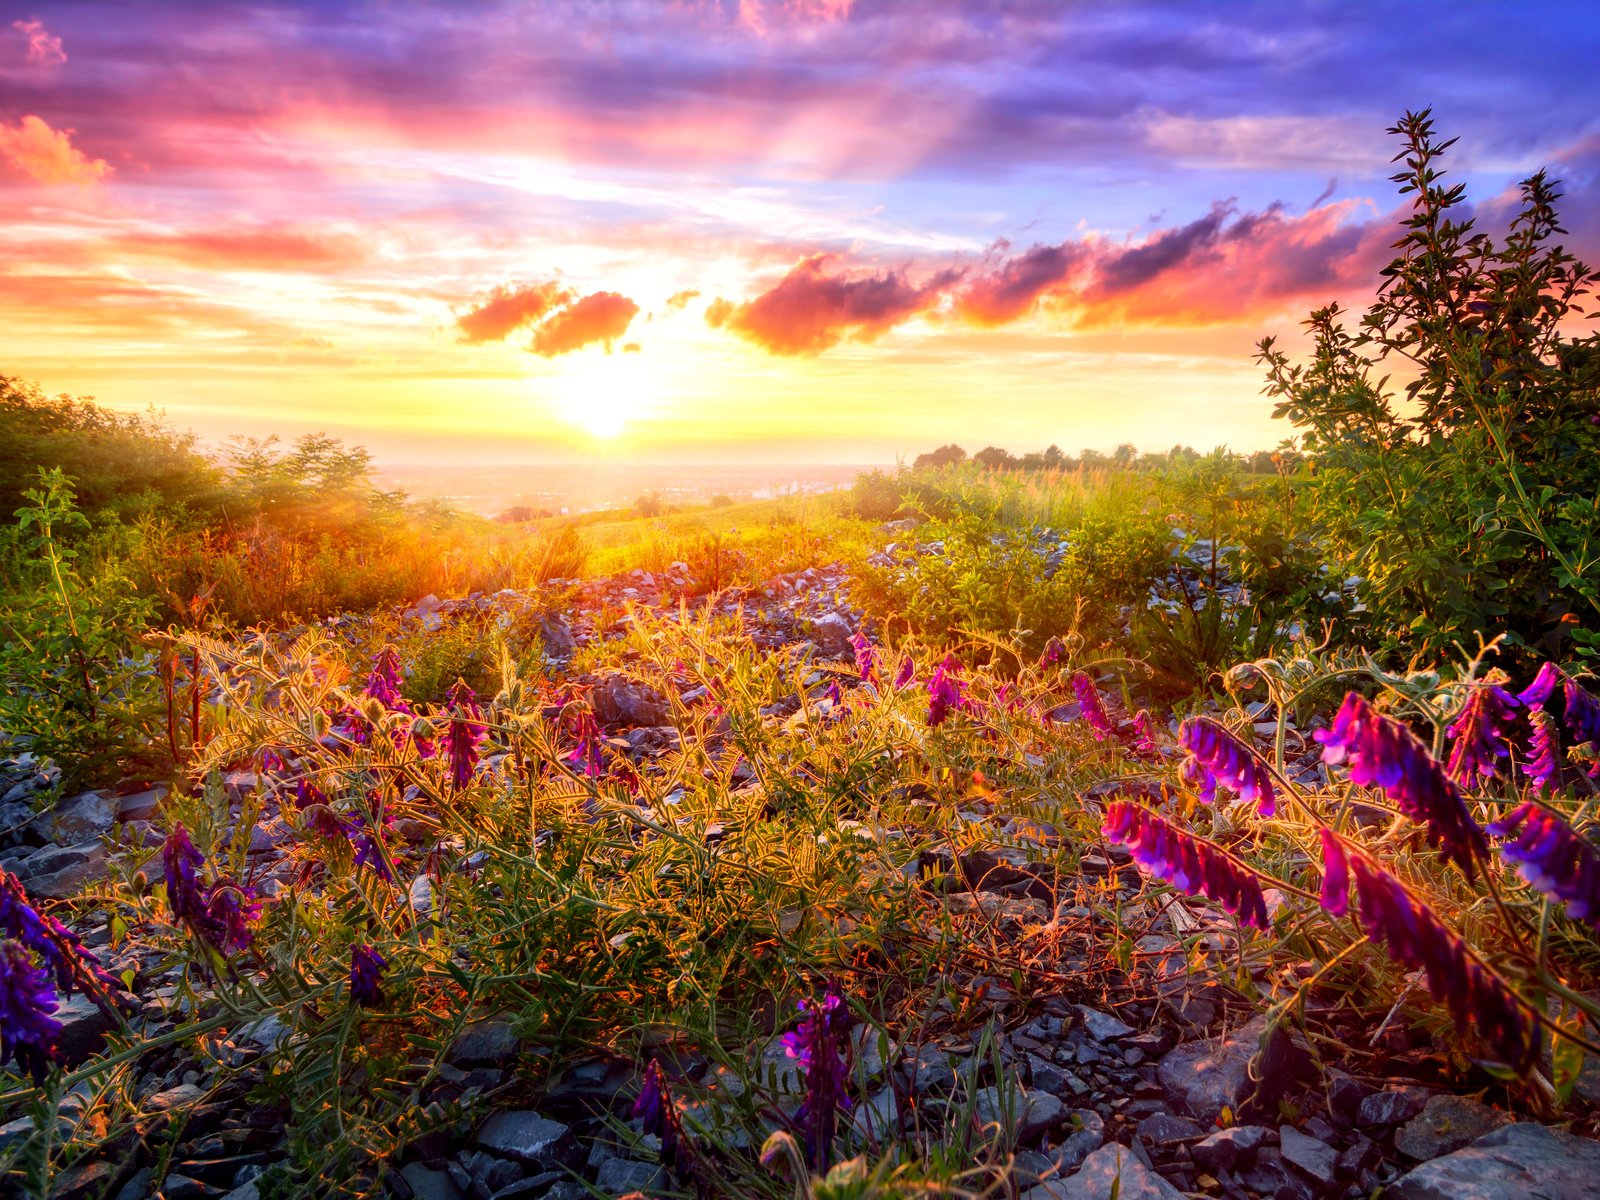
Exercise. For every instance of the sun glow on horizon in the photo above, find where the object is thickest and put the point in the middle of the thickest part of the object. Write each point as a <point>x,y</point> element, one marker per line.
<point>604,393</point>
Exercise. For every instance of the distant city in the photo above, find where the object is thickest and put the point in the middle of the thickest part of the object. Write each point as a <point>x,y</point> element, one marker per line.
<point>492,490</point>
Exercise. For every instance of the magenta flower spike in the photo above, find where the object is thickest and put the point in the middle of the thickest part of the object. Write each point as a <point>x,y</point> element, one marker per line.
<point>1415,938</point>
<point>466,734</point>
<point>366,977</point>
<point>818,1047</point>
<point>586,756</point>
<point>1335,874</point>
<point>28,1031</point>
<point>1383,753</point>
<point>1217,756</point>
<point>866,657</point>
<point>907,671</point>
<point>63,954</point>
<point>1554,858</point>
<point>1479,734</point>
<point>1189,863</point>
<point>657,1115</point>
<point>1542,688</point>
<point>1091,706</point>
<point>1054,651</point>
<point>1144,736</point>
<point>182,862</point>
<point>946,692</point>
<point>385,680</point>
<point>1543,765</point>
<point>1583,714</point>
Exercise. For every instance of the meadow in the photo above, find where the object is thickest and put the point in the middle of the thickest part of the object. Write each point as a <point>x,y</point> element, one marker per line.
<point>1141,825</point>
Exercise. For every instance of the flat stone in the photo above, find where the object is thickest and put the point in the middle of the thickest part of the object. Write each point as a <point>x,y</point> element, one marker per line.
<point>1164,1129</point>
<point>1034,1112</point>
<point>75,819</point>
<point>1229,1149</point>
<point>427,1184</point>
<point>619,1176</point>
<point>1518,1162</point>
<point>1088,1135</point>
<point>1209,1075</point>
<point>1316,1158</point>
<point>181,1096</point>
<point>832,633</point>
<point>489,1043</point>
<point>1110,1171</point>
<point>1447,1123</point>
<point>1101,1026</point>
<point>140,806</point>
<point>619,700</point>
<point>877,1119</point>
<point>529,1138</point>
<point>1391,1107</point>
<point>60,872</point>
<point>83,1029</point>
<point>248,1191</point>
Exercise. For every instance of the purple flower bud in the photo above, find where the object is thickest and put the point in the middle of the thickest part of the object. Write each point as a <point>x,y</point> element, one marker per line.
<point>833,695</point>
<point>1384,753</point>
<point>1189,863</point>
<point>657,1114</point>
<point>1054,651</point>
<point>230,910</point>
<point>1144,736</point>
<point>366,976</point>
<point>1553,858</point>
<point>1335,875</point>
<point>817,1045</point>
<point>1217,756</point>
<point>1543,766</point>
<point>182,862</point>
<point>946,692</point>
<point>466,734</point>
<point>586,756</point>
<point>1543,686</point>
<point>1091,706</point>
<point>27,1030</point>
<point>1479,734</point>
<point>866,657</point>
<point>220,914</point>
<point>385,680</point>
<point>904,675</point>
<point>63,954</point>
<point>1583,714</point>
<point>1415,938</point>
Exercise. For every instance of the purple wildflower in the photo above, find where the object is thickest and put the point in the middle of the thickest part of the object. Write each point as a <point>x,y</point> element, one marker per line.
<point>946,691</point>
<point>1335,874</point>
<point>657,1114</point>
<point>1144,736</point>
<point>366,976</point>
<point>1553,858</point>
<point>904,675</point>
<point>1189,863</point>
<point>1543,766</point>
<point>866,657</point>
<point>817,1046</point>
<point>27,1030</point>
<point>307,793</point>
<point>1479,734</point>
<point>1542,687</point>
<point>586,756</point>
<point>1054,651</point>
<point>1384,753</point>
<point>385,680</point>
<point>466,734</point>
<point>230,910</point>
<point>1414,937</point>
<point>1583,714</point>
<point>833,695</point>
<point>368,853</point>
<point>322,820</point>
<point>1217,756</point>
<point>1091,706</point>
<point>182,861</point>
<point>63,954</point>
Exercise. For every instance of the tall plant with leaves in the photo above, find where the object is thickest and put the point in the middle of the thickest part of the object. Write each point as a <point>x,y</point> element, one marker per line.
<point>1468,500</point>
<point>67,633</point>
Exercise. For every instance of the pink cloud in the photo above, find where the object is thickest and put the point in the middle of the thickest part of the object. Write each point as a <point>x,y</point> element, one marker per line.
<point>598,317</point>
<point>47,155</point>
<point>508,309</point>
<point>44,48</point>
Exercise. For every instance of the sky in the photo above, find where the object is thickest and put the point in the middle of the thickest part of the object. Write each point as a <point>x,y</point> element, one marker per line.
<point>746,230</point>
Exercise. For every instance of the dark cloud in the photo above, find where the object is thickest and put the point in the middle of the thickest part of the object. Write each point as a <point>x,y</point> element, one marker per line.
<point>598,317</point>
<point>813,307</point>
<point>510,308</point>
<point>1001,295</point>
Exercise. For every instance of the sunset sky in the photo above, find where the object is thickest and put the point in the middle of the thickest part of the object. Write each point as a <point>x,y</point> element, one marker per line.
<point>812,230</point>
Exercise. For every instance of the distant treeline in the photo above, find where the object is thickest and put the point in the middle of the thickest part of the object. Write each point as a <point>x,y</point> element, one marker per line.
<point>1126,456</point>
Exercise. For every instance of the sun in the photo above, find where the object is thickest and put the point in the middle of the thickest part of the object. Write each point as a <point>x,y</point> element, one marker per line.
<point>603,394</point>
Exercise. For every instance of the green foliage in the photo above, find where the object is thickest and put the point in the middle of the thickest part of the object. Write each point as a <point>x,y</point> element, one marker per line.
<point>1472,505</point>
<point>73,678</point>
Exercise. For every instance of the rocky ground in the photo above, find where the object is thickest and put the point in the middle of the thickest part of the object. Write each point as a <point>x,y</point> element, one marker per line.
<point>1171,1089</point>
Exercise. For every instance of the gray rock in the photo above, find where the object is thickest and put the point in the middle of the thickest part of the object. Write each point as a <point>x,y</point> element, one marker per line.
<point>1103,1027</point>
<point>140,806</point>
<point>556,635</point>
<point>619,700</point>
<point>877,1119</point>
<point>488,1043</point>
<point>1228,1149</point>
<point>1447,1123</point>
<point>931,1071</point>
<point>83,1029</point>
<point>1047,1077</point>
<point>1391,1107</point>
<point>529,1138</point>
<point>619,1176</point>
<point>59,872</point>
<point>1110,1169</point>
<point>181,1096</point>
<point>1206,1076</point>
<point>1316,1158</point>
<point>1518,1162</point>
<point>138,1187</point>
<point>80,818</point>
<point>832,634</point>
<point>1088,1135</point>
<point>247,1191</point>
<point>1033,1113</point>
<point>427,1184</point>
<point>1164,1129</point>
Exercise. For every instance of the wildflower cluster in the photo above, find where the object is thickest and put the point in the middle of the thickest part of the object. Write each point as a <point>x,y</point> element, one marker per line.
<point>220,914</point>
<point>1092,707</point>
<point>1186,861</point>
<point>947,691</point>
<point>1216,756</point>
<point>817,1045</point>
